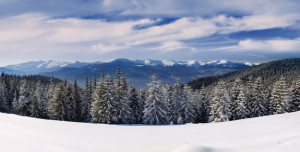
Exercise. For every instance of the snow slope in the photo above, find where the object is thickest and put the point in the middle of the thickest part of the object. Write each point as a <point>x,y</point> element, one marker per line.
<point>266,134</point>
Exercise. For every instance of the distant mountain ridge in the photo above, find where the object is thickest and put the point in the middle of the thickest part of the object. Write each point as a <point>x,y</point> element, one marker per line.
<point>138,71</point>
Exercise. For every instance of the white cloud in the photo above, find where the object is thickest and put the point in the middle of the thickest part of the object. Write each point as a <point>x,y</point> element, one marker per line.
<point>170,46</point>
<point>254,22</point>
<point>102,49</point>
<point>273,45</point>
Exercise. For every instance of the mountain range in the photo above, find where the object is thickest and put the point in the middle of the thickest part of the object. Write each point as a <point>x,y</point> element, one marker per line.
<point>138,71</point>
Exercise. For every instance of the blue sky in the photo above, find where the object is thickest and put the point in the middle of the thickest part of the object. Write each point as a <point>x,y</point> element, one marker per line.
<point>93,30</point>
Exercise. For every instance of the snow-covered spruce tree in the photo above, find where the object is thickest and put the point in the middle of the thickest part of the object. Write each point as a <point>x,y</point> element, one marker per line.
<point>9,87</point>
<point>87,100</point>
<point>186,110</point>
<point>166,92</point>
<point>259,104</point>
<point>69,101</point>
<point>77,102</point>
<point>220,104</point>
<point>176,99</point>
<point>4,106</point>
<point>240,111</point>
<point>104,106</point>
<point>155,110</point>
<point>295,92</point>
<point>58,109</point>
<point>135,105</point>
<point>50,90</point>
<point>141,99</point>
<point>98,103</point>
<point>234,93</point>
<point>39,105</point>
<point>22,105</point>
<point>200,105</point>
<point>280,97</point>
<point>249,95</point>
<point>122,108</point>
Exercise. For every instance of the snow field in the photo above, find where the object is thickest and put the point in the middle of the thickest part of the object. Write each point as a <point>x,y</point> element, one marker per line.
<point>266,134</point>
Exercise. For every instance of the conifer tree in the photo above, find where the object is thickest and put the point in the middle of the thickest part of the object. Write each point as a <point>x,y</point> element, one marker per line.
<point>77,102</point>
<point>200,105</point>
<point>166,92</point>
<point>87,100</point>
<point>249,95</point>
<point>122,108</point>
<point>240,111</point>
<point>234,93</point>
<point>186,109</point>
<point>280,97</point>
<point>154,111</point>
<point>98,103</point>
<point>295,103</point>
<point>220,104</point>
<point>258,105</point>
<point>141,99</point>
<point>70,103</point>
<point>176,99</point>
<point>4,105</point>
<point>58,106</point>
<point>39,103</point>
<point>135,105</point>
<point>22,105</point>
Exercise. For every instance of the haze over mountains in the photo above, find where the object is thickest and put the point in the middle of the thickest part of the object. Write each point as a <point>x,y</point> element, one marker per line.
<point>138,71</point>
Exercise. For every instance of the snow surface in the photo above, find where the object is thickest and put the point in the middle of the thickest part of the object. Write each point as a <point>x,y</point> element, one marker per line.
<point>266,134</point>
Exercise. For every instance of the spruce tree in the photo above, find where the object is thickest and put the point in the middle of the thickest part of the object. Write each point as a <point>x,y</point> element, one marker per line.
<point>220,104</point>
<point>141,99</point>
<point>135,105</point>
<point>22,105</point>
<point>39,103</point>
<point>77,102</point>
<point>58,106</point>
<point>155,110</point>
<point>87,100</point>
<point>176,98</point>
<point>4,105</point>
<point>240,111</point>
<point>295,92</point>
<point>280,97</point>
<point>166,92</point>
<point>200,105</point>
<point>121,105</point>
<point>70,102</point>
<point>258,105</point>
<point>98,102</point>
<point>234,93</point>
<point>186,110</point>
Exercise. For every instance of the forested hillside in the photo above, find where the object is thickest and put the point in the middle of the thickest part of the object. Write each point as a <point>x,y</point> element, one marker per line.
<point>268,72</point>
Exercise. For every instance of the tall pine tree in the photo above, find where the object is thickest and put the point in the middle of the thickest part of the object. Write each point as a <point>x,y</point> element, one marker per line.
<point>155,110</point>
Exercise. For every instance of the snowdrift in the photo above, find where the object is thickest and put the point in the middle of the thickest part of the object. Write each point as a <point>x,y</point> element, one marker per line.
<point>265,134</point>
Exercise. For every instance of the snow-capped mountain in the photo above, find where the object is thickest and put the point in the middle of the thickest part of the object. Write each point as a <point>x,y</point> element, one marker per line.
<point>138,71</point>
<point>190,63</point>
<point>35,67</point>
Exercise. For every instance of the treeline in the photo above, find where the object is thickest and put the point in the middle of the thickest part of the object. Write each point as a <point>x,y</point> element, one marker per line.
<point>110,100</point>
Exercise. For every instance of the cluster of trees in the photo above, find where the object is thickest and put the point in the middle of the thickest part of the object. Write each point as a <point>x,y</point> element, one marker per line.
<point>110,100</point>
